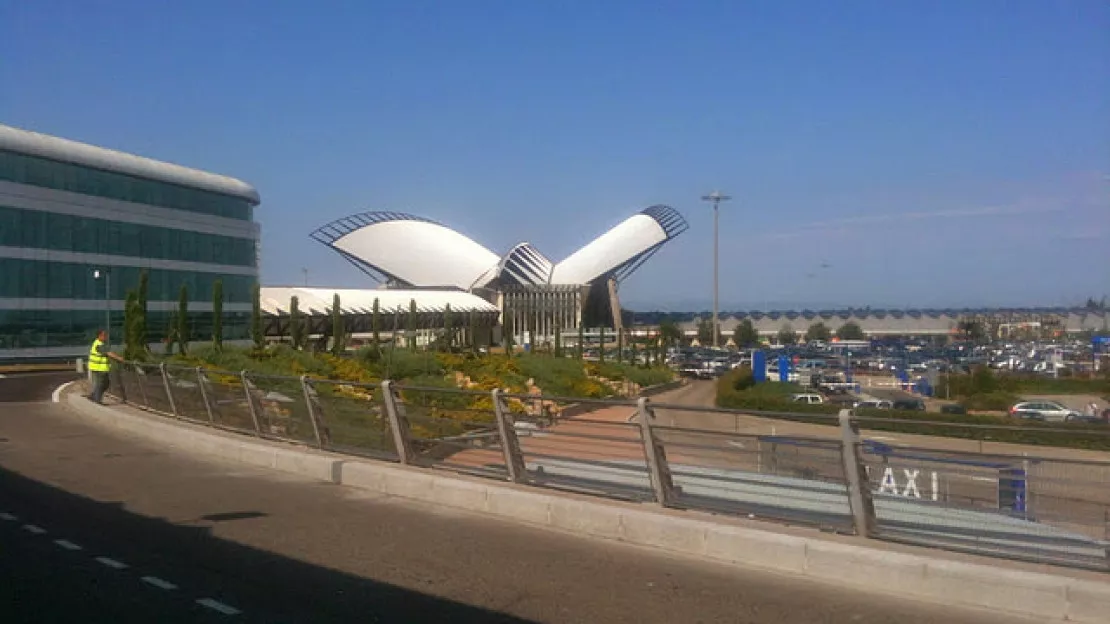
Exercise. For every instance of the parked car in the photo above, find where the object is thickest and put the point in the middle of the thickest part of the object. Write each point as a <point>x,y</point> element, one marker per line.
<point>909,404</point>
<point>1050,411</point>
<point>874,405</point>
<point>808,398</point>
<point>952,408</point>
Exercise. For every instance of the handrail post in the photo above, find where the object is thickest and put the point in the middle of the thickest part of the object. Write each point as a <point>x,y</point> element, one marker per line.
<point>310,400</point>
<point>201,380</point>
<point>658,467</point>
<point>859,487</point>
<point>247,386</point>
<point>140,374</point>
<point>510,444</point>
<point>166,384</point>
<point>398,422</point>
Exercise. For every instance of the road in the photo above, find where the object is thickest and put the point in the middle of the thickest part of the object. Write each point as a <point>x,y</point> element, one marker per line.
<point>98,526</point>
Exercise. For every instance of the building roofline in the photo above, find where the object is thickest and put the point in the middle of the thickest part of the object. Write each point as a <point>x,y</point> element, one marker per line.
<point>64,150</point>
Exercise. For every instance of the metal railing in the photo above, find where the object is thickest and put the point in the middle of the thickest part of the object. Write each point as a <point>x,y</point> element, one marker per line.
<point>1045,509</point>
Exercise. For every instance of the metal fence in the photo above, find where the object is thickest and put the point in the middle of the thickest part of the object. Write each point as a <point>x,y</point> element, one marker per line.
<point>1016,506</point>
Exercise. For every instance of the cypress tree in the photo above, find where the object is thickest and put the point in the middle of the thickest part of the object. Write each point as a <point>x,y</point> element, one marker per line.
<point>257,334</point>
<point>448,329</point>
<point>140,329</point>
<point>473,322</point>
<point>130,324</point>
<point>601,344</point>
<point>620,345</point>
<point>338,337</point>
<point>376,326</point>
<point>171,333</point>
<point>558,343</point>
<point>296,329</point>
<point>218,315</point>
<point>507,328</point>
<point>581,341</point>
<point>411,328</point>
<point>183,319</point>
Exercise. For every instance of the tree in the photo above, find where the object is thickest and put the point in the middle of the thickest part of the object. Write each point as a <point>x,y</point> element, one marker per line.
<point>376,326</point>
<point>171,334</point>
<point>818,331</point>
<point>620,345</point>
<point>558,343</point>
<point>131,311</point>
<point>182,317</point>
<point>972,330</point>
<point>141,320</point>
<point>338,331</point>
<point>448,329</point>
<point>787,335</point>
<point>296,323</point>
<point>705,332</point>
<point>670,332</point>
<point>745,335</point>
<point>601,344</point>
<point>410,325</point>
<point>507,329</point>
<point>581,342</point>
<point>850,331</point>
<point>257,334</point>
<point>473,330</point>
<point>218,315</point>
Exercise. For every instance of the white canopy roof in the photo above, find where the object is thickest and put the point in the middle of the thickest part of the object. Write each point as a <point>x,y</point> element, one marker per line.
<point>275,300</point>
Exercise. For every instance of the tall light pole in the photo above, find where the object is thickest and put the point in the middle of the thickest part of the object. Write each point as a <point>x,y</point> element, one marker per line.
<point>716,197</point>
<point>97,274</point>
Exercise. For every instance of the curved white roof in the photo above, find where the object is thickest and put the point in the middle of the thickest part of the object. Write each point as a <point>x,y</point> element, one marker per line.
<point>620,247</point>
<point>526,265</point>
<point>275,300</point>
<point>412,250</point>
<point>56,148</point>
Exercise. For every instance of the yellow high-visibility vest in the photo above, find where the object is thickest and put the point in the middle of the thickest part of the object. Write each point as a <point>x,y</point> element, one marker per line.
<point>98,363</point>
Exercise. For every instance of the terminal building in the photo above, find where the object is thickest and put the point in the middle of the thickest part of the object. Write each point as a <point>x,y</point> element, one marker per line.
<point>79,223</point>
<point>535,297</point>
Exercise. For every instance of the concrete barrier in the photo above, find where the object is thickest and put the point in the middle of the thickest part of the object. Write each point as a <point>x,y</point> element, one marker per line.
<point>919,573</point>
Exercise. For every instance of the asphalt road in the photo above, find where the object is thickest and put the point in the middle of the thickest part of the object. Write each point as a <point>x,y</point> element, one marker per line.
<point>22,387</point>
<point>95,526</point>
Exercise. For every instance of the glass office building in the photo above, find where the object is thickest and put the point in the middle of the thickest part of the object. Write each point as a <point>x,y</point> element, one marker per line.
<point>78,224</point>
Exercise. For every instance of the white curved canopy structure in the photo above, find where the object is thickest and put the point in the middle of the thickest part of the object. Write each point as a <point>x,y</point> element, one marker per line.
<point>422,253</point>
<point>275,301</point>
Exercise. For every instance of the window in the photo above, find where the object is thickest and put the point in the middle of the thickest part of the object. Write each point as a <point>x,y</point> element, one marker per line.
<point>62,176</point>
<point>24,329</point>
<point>40,279</point>
<point>60,232</point>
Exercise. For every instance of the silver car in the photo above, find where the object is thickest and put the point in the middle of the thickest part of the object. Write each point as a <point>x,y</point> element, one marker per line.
<point>1050,411</point>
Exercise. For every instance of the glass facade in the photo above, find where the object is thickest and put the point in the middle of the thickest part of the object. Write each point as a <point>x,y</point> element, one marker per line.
<point>50,301</point>
<point>62,176</point>
<point>62,232</point>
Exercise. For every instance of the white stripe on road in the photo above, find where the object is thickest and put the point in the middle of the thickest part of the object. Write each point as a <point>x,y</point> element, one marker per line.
<point>7,516</point>
<point>159,583</point>
<point>216,605</point>
<point>37,530</point>
<point>68,545</point>
<point>57,396</point>
<point>112,563</point>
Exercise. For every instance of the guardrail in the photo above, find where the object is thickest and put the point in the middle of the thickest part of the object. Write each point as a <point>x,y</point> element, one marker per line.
<point>1016,506</point>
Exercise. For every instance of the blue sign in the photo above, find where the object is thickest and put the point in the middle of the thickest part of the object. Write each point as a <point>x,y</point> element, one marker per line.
<point>759,366</point>
<point>784,368</point>
<point>1011,490</point>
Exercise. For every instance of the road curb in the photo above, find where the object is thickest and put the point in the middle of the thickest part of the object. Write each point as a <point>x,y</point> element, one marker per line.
<point>1044,595</point>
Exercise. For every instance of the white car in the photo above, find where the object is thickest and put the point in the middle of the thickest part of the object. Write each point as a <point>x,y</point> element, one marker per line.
<point>1050,411</point>
<point>811,399</point>
<point>874,405</point>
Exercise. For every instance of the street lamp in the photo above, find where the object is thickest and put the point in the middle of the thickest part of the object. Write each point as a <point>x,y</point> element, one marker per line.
<point>716,197</point>
<point>97,274</point>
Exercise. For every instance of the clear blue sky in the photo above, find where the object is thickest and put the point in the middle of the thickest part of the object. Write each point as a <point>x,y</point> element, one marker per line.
<point>933,153</point>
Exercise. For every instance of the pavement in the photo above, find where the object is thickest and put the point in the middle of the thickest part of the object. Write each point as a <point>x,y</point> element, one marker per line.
<point>97,525</point>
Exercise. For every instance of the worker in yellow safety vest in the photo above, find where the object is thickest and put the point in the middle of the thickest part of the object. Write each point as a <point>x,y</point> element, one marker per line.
<point>99,366</point>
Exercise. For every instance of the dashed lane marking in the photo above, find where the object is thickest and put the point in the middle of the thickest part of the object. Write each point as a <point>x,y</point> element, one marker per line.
<point>68,545</point>
<point>159,583</point>
<point>111,563</point>
<point>216,605</point>
<point>31,528</point>
<point>7,516</point>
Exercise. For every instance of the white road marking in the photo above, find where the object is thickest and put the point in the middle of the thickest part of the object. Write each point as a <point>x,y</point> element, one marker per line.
<point>3,376</point>
<point>112,563</point>
<point>57,396</point>
<point>68,545</point>
<point>216,605</point>
<point>37,530</point>
<point>9,517</point>
<point>159,583</point>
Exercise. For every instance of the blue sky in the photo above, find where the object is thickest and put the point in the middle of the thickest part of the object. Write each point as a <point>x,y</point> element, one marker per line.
<point>932,153</point>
